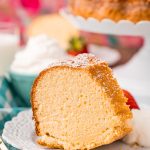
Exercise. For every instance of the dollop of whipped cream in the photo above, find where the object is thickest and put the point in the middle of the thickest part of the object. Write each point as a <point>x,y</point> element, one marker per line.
<point>141,128</point>
<point>38,54</point>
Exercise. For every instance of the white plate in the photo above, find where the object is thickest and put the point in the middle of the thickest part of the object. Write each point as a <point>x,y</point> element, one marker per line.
<point>107,26</point>
<point>104,53</point>
<point>20,133</point>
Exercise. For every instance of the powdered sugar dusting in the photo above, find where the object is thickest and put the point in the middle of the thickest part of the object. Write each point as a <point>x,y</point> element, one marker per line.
<point>82,60</point>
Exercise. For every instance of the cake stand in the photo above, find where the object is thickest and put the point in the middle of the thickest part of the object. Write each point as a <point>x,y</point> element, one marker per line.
<point>135,75</point>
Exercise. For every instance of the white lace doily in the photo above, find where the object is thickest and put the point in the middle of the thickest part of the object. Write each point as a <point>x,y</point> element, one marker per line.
<point>19,132</point>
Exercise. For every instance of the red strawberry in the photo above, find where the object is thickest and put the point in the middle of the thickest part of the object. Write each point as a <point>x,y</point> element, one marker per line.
<point>77,46</point>
<point>131,101</point>
<point>72,52</point>
<point>75,52</point>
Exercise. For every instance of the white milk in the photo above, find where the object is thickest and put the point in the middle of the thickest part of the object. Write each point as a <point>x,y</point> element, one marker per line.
<point>8,46</point>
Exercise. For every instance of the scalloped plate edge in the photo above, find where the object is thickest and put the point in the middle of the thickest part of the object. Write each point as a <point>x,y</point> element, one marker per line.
<point>8,123</point>
<point>108,26</point>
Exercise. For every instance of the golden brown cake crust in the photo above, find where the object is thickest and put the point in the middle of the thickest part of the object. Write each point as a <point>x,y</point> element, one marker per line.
<point>133,10</point>
<point>100,72</point>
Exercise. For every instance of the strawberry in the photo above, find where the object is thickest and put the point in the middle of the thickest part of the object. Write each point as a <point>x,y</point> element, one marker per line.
<point>77,46</point>
<point>131,101</point>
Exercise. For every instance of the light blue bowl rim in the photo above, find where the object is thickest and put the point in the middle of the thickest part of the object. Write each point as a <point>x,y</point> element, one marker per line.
<point>17,74</point>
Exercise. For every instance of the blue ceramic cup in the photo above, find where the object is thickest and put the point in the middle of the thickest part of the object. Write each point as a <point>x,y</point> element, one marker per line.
<point>22,84</point>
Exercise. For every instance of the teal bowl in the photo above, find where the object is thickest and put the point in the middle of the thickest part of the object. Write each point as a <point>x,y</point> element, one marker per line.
<point>22,84</point>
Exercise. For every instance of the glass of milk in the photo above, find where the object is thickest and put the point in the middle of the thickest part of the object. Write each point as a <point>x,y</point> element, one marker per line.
<point>9,43</point>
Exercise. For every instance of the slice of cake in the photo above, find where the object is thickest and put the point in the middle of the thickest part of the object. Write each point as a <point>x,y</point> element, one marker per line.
<point>77,104</point>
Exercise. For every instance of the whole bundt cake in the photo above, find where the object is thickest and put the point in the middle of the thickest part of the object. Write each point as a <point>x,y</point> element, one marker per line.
<point>133,10</point>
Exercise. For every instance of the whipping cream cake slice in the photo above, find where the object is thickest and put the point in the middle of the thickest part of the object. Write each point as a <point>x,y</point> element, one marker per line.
<point>77,104</point>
